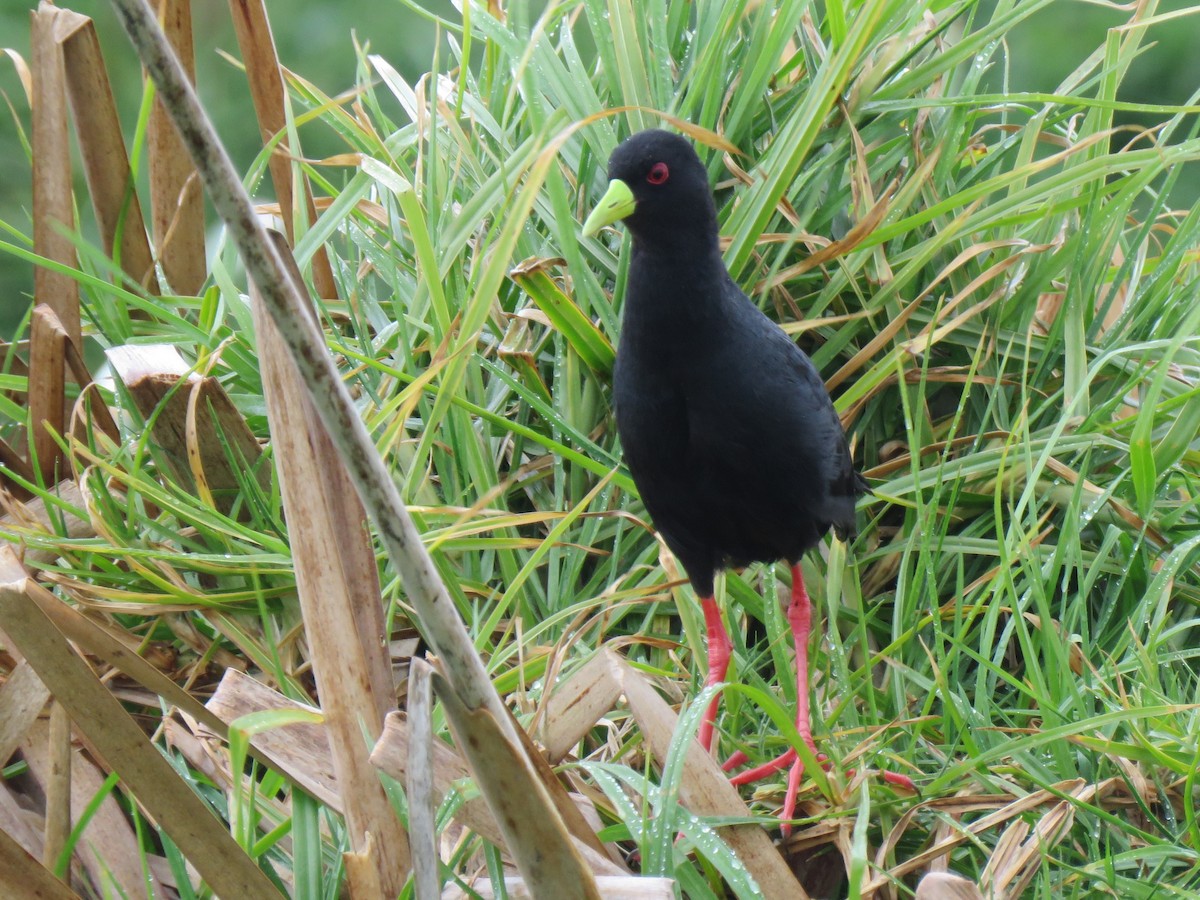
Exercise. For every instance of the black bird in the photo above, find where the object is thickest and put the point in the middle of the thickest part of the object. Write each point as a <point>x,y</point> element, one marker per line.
<point>726,425</point>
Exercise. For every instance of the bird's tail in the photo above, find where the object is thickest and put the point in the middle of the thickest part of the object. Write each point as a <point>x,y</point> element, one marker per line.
<point>861,486</point>
<point>847,529</point>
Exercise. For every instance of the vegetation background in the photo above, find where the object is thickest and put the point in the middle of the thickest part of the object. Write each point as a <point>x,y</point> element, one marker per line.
<point>1013,342</point>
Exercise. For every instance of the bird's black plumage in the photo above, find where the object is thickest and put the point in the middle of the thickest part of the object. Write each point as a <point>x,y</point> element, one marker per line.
<point>727,428</point>
<point>726,425</point>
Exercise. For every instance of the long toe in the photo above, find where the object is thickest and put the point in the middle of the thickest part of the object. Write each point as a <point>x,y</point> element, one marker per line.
<point>737,759</point>
<point>789,799</point>
<point>758,773</point>
<point>896,779</point>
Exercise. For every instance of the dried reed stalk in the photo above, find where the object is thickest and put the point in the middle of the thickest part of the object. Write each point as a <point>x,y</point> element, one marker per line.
<point>101,719</point>
<point>176,204</point>
<point>270,96</point>
<point>53,205</point>
<point>338,586</point>
<point>102,146</point>
<point>58,785</point>
<point>22,876</point>
<point>108,850</point>
<point>47,391</point>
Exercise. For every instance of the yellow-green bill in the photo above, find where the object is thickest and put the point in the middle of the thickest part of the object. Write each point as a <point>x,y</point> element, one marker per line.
<point>616,204</point>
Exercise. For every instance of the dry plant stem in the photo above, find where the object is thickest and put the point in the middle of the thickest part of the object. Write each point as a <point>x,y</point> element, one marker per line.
<point>342,508</point>
<point>100,719</point>
<point>535,835</point>
<point>102,149</point>
<point>53,205</point>
<point>392,756</point>
<point>422,823</point>
<point>177,207</point>
<point>338,586</point>
<point>47,391</point>
<point>58,790</point>
<point>440,621</point>
<point>107,849</point>
<point>269,95</point>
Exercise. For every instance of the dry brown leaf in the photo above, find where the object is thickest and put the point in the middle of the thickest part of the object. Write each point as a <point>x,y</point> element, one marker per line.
<point>856,235</point>
<point>1018,854</point>
<point>367,207</point>
<point>946,886</point>
<point>705,790</point>
<point>22,70</point>
<point>299,750</point>
<point>1135,522</point>
<point>31,516</point>
<point>391,756</point>
<point>575,706</point>
<point>22,876</point>
<point>108,850</point>
<point>100,718</point>
<point>195,422</point>
<point>1005,809</point>
<point>1075,658</point>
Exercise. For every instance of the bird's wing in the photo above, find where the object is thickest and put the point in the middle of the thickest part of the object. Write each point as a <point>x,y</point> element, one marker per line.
<point>786,421</point>
<point>843,482</point>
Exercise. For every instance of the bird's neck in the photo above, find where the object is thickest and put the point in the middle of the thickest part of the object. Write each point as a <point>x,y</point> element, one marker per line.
<point>674,294</point>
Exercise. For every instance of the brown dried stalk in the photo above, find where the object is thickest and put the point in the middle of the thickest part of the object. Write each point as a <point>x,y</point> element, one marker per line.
<point>53,204</point>
<point>176,205</point>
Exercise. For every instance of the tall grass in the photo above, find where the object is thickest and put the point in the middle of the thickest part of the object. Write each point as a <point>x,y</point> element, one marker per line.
<point>1007,315</point>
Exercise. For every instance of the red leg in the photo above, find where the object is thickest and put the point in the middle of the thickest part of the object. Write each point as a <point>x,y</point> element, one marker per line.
<point>719,650</point>
<point>800,619</point>
<point>799,616</point>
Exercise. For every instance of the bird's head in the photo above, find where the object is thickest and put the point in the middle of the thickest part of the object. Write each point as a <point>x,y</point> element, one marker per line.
<point>659,187</point>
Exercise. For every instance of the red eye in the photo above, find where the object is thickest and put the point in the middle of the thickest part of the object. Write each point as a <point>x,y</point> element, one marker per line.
<point>658,173</point>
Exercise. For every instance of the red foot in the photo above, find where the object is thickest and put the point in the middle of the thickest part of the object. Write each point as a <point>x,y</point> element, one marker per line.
<point>799,615</point>
<point>898,780</point>
<point>791,758</point>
